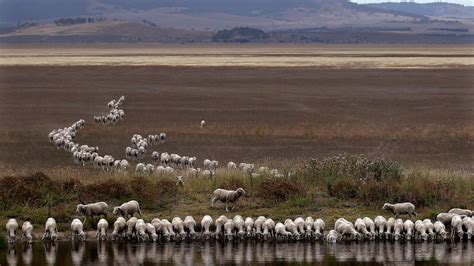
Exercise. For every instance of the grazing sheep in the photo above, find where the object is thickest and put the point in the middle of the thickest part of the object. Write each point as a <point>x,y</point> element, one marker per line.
<point>128,209</point>
<point>468,223</point>
<point>157,224</point>
<point>318,229</point>
<point>203,123</point>
<point>281,233</point>
<point>456,226</point>
<point>50,230</point>
<point>429,228</point>
<point>440,230</point>
<point>231,165</point>
<point>227,196</point>
<point>249,223</point>
<point>362,228</point>
<point>268,228</point>
<point>11,227</point>
<point>219,225</point>
<point>178,225</point>
<point>299,222</point>
<point>308,223</point>
<point>140,229</point>
<point>77,229</point>
<point>239,226</point>
<point>120,225</point>
<point>151,231</point>
<point>206,223</point>
<point>389,225</point>
<point>189,224</point>
<point>102,227</point>
<point>131,230</point>
<point>369,223</point>
<point>380,223</point>
<point>409,229</point>
<point>92,209</point>
<point>167,230</point>
<point>206,174</point>
<point>401,208</point>
<point>140,168</point>
<point>258,225</point>
<point>332,236</point>
<point>229,229</point>
<point>461,212</point>
<point>27,232</point>
<point>291,227</point>
<point>398,229</point>
<point>420,231</point>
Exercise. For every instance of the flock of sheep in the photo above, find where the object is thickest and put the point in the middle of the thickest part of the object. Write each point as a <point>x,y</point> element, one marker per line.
<point>456,224</point>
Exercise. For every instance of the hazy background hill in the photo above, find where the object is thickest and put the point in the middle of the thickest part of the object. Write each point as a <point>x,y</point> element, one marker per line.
<point>283,20</point>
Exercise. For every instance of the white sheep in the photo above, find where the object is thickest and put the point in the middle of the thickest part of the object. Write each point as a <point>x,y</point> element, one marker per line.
<point>50,230</point>
<point>258,225</point>
<point>369,223</point>
<point>219,226</point>
<point>468,223</point>
<point>27,232</point>
<point>332,236</point>
<point>156,222</point>
<point>189,224</point>
<point>249,223</point>
<point>227,196</point>
<point>420,231</point>
<point>239,226</point>
<point>77,229</point>
<point>268,228</point>
<point>151,231</point>
<point>180,180</point>
<point>409,229</point>
<point>401,208</point>
<point>203,123</point>
<point>92,209</point>
<point>178,225</point>
<point>362,228</point>
<point>281,232</point>
<point>445,218</point>
<point>140,168</point>
<point>380,223</point>
<point>140,229</point>
<point>347,229</point>
<point>131,229</point>
<point>128,209</point>
<point>229,229</point>
<point>291,227</point>
<point>206,223</point>
<point>461,212</point>
<point>299,222</point>
<point>167,230</point>
<point>231,165</point>
<point>308,223</point>
<point>456,226</point>
<point>319,229</point>
<point>429,228</point>
<point>11,227</point>
<point>398,229</point>
<point>120,225</point>
<point>440,230</point>
<point>102,227</point>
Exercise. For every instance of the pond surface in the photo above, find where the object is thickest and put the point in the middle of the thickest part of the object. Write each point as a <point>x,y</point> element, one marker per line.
<point>212,253</point>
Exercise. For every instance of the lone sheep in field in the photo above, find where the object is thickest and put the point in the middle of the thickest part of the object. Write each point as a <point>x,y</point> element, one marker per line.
<point>203,123</point>
<point>92,209</point>
<point>227,196</point>
<point>27,232</point>
<point>128,209</point>
<point>400,208</point>
<point>11,227</point>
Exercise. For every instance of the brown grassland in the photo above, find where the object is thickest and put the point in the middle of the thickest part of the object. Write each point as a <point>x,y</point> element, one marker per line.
<point>281,117</point>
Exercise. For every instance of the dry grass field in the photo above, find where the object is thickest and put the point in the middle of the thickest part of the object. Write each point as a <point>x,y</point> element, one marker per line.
<point>277,116</point>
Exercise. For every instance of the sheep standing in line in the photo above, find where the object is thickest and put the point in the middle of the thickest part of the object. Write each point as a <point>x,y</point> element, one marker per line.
<point>420,231</point>
<point>299,222</point>
<point>389,225</point>
<point>219,226</point>
<point>239,226</point>
<point>11,227</point>
<point>151,231</point>
<point>281,233</point>
<point>429,228</point>
<point>258,225</point>
<point>409,229</point>
<point>369,223</point>
<point>102,227</point>
<point>291,227</point>
<point>400,208</point>
<point>140,229</point>
<point>27,232</point>
<point>249,223</point>
<point>346,229</point>
<point>440,230</point>
<point>131,229</point>
<point>120,226</point>
<point>167,230</point>
<point>268,229</point>
<point>77,229</point>
<point>178,226</point>
<point>468,223</point>
<point>309,223</point>
<point>319,229</point>
<point>50,230</point>
<point>206,223</point>
<point>332,236</point>
<point>398,229</point>
<point>380,223</point>
<point>227,196</point>
<point>189,224</point>
<point>229,229</point>
<point>128,209</point>
<point>156,222</point>
<point>362,228</point>
<point>92,209</point>
<point>456,226</point>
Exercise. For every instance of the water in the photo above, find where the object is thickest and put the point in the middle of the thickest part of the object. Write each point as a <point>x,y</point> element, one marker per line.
<point>212,253</point>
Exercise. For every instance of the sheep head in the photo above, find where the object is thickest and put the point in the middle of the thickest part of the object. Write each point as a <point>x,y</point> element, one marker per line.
<point>388,207</point>
<point>241,191</point>
<point>80,208</point>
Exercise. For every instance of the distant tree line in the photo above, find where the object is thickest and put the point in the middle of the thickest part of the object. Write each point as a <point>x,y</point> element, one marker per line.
<point>240,34</point>
<point>79,20</point>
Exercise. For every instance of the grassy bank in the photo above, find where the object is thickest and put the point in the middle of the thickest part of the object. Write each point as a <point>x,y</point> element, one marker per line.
<point>340,186</point>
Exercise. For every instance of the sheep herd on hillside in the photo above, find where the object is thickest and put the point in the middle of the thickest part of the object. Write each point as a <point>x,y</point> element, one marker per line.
<point>457,224</point>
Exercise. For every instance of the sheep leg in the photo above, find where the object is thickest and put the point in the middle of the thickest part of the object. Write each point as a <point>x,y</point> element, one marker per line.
<point>44,236</point>
<point>213,201</point>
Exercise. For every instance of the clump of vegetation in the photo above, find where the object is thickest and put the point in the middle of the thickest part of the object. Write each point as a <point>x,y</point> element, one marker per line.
<point>280,189</point>
<point>240,34</point>
<point>3,242</point>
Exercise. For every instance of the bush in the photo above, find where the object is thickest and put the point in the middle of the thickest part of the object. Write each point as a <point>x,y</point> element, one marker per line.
<point>280,189</point>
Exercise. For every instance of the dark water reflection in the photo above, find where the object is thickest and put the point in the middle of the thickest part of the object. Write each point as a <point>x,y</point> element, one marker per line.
<point>207,253</point>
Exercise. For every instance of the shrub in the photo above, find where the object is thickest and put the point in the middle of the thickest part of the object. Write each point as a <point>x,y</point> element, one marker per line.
<point>279,189</point>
